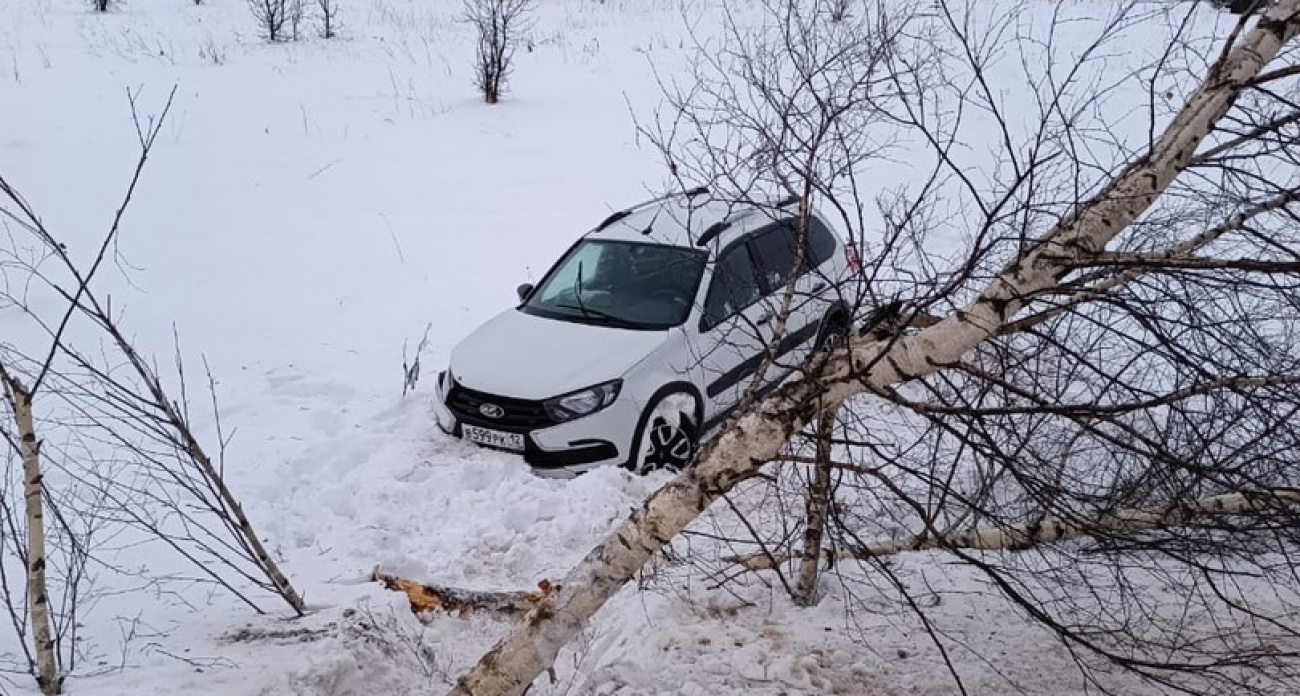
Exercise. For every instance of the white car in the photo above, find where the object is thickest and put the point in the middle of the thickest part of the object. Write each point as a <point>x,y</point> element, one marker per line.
<point>646,335</point>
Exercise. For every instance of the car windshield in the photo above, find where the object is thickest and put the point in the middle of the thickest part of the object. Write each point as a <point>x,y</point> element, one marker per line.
<point>628,285</point>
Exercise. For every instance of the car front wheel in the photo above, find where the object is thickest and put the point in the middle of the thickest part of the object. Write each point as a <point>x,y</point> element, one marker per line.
<point>833,334</point>
<point>668,435</point>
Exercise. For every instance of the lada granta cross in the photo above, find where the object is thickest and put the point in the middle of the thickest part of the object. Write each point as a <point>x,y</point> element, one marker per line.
<point>645,335</point>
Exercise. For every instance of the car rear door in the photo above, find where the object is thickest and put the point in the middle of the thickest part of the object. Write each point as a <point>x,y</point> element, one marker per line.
<point>734,329</point>
<point>775,250</point>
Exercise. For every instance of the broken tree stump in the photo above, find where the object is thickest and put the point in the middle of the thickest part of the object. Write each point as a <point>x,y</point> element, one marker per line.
<point>426,599</point>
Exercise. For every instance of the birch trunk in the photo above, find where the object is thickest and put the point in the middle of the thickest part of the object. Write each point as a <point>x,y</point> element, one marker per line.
<point>818,503</point>
<point>38,600</point>
<point>512,665</point>
<point>425,598</point>
<point>214,478</point>
<point>1054,529</point>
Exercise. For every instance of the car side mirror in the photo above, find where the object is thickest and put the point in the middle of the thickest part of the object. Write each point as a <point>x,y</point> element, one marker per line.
<point>524,291</point>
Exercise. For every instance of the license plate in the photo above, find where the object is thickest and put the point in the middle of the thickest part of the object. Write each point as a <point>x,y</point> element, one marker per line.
<point>493,438</point>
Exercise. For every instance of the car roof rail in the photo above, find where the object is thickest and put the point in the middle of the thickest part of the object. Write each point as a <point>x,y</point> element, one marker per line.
<point>615,217</point>
<point>712,231</point>
<point>619,215</point>
<point>722,225</point>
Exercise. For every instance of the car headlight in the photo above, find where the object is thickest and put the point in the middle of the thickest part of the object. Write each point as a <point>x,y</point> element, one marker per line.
<point>584,402</point>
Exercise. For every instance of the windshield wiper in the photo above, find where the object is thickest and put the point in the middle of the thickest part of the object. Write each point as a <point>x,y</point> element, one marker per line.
<point>577,290</point>
<point>590,313</point>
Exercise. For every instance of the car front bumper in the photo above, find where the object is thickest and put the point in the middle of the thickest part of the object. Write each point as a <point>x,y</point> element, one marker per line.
<point>561,450</point>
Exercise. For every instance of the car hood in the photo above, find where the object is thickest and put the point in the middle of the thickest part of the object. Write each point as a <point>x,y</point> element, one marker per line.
<point>530,357</point>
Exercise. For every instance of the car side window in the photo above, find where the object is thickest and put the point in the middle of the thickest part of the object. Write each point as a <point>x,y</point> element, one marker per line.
<point>733,288</point>
<point>775,252</point>
<point>821,243</point>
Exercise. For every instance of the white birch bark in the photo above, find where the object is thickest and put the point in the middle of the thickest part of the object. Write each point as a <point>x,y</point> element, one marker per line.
<point>531,648</point>
<point>425,598</point>
<point>815,509</point>
<point>1053,529</point>
<point>232,510</point>
<point>38,600</point>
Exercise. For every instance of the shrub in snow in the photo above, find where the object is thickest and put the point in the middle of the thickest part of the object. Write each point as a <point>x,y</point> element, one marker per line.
<point>156,479</point>
<point>371,650</point>
<point>499,24</point>
<point>839,10</point>
<point>294,17</point>
<point>271,16</point>
<point>210,51</point>
<point>328,13</point>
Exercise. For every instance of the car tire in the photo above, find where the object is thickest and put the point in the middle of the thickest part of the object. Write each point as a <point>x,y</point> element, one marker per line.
<point>667,436</point>
<point>834,332</point>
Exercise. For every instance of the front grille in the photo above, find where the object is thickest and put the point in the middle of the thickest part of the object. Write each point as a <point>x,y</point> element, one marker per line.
<point>518,415</point>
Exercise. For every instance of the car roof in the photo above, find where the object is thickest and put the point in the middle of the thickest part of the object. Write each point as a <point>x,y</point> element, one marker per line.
<point>683,220</point>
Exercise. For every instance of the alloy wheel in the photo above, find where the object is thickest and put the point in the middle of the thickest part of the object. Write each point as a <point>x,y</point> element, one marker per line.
<point>669,438</point>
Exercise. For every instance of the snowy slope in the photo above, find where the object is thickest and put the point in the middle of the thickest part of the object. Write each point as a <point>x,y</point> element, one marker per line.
<point>310,209</point>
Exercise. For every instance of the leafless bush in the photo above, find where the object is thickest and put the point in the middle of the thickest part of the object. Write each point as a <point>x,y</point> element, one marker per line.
<point>398,635</point>
<point>499,24</point>
<point>329,10</point>
<point>381,649</point>
<point>271,17</point>
<point>295,13</point>
<point>839,10</point>
<point>210,51</point>
<point>105,449</point>
<point>807,115</point>
<point>1087,394</point>
<point>411,366</point>
<point>1087,417</point>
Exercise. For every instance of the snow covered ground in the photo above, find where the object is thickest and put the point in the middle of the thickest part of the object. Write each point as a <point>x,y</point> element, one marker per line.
<point>310,209</point>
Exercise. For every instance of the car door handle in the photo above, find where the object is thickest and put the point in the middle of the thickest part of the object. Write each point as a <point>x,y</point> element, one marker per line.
<point>765,318</point>
<point>819,286</point>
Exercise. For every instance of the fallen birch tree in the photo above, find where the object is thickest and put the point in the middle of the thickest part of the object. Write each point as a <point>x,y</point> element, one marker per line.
<point>1066,259</point>
<point>1051,530</point>
<point>425,598</point>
